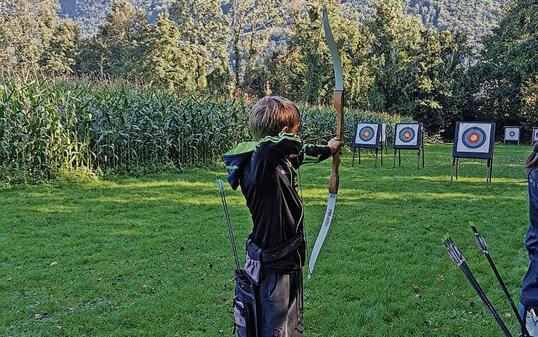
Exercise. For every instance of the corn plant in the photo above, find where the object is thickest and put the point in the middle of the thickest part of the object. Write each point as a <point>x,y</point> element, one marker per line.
<point>48,126</point>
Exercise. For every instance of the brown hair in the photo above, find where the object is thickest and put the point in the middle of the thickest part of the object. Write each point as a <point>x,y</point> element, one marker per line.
<point>532,160</point>
<point>271,114</point>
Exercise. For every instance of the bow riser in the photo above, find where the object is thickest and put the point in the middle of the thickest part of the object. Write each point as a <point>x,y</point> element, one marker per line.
<point>334,178</point>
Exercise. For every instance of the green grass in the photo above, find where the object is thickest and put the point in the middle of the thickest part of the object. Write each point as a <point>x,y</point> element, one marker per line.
<point>150,256</point>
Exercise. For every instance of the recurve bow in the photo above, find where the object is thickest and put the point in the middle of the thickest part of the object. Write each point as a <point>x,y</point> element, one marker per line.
<point>334,178</point>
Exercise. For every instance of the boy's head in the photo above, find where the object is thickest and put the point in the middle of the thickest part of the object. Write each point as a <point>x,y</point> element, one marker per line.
<point>272,115</point>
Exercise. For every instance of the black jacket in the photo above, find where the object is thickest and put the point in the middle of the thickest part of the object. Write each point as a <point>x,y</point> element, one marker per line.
<point>266,170</point>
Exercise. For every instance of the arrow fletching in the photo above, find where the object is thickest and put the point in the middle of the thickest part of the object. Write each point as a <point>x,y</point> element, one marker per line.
<point>454,252</point>
<point>480,241</point>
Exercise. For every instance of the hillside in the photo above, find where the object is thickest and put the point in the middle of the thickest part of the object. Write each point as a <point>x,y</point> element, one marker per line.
<point>474,18</point>
<point>90,13</point>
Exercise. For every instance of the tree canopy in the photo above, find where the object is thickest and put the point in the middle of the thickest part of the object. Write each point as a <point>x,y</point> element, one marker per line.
<point>430,70</point>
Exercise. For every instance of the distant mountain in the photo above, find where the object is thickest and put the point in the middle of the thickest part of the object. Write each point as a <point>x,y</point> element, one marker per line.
<point>89,14</point>
<point>473,17</point>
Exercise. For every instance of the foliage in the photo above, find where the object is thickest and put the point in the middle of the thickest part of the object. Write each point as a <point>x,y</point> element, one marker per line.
<point>393,62</point>
<point>165,63</point>
<point>50,127</point>
<point>254,25</point>
<point>203,34</point>
<point>118,48</point>
<point>471,18</point>
<point>503,85</point>
<point>26,30</point>
<point>61,55</point>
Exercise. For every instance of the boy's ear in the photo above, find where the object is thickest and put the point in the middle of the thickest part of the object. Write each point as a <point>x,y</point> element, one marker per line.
<point>286,129</point>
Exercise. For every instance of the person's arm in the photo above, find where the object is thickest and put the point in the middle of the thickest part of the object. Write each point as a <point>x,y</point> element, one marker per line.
<point>533,197</point>
<point>317,153</point>
<point>311,154</point>
<point>270,152</point>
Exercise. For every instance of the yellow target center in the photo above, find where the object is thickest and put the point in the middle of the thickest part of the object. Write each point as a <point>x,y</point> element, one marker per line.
<point>474,138</point>
<point>366,133</point>
<point>407,134</point>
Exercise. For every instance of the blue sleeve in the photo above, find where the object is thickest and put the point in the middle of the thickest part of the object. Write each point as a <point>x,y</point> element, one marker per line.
<point>529,285</point>
<point>533,197</point>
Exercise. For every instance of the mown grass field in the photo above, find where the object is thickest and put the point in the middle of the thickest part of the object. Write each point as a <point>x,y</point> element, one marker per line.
<point>150,257</point>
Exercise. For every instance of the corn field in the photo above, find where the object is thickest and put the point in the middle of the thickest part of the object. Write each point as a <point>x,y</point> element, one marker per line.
<point>49,126</point>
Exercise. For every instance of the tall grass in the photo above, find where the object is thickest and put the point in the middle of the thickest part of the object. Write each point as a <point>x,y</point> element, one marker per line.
<point>46,127</point>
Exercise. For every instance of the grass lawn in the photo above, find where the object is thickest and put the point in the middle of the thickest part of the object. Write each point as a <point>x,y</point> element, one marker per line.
<point>150,256</point>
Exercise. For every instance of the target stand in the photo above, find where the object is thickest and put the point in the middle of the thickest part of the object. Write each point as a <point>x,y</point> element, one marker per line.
<point>368,136</point>
<point>474,140</point>
<point>409,136</point>
<point>512,134</point>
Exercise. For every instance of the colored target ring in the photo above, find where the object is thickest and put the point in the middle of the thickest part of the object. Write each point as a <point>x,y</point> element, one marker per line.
<point>512,133</point>
<point>406,134</point>
<point>366,134</point>
<point>474,137</point>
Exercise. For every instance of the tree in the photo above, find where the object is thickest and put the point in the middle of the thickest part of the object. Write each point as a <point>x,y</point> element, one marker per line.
<point>505,77</point>
<point>26,31</point>
<point>253,25</point>
<point>164,62</point>
<point>118,48</point>
<point>435,72</point>
<point>395,40</point>
<point>59,57</point>
<point>202,27</point>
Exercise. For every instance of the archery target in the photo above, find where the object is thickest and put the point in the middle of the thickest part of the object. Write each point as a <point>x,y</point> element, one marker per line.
<point>367,135</point>
<point>408,135</point>
<point>534,135</point>
<point>511,133</point>
<point>474,140</point>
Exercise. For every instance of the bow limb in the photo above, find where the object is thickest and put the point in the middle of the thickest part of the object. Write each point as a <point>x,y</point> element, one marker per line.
<point>334,178</point>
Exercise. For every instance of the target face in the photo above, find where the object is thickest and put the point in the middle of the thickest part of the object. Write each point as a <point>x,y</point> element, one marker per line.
<point>511,133</point>
<point>408,136</point>
<point>474,140</point>
<point>367,135</point>
<point>534,135</point>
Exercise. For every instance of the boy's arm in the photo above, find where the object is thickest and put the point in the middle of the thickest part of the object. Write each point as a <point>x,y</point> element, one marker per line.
<point>313,154</point>
<point>271,151</point>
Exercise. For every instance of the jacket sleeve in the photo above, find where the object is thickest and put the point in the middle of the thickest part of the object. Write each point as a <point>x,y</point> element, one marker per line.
<point>311,154</point>
<point>272,151</point>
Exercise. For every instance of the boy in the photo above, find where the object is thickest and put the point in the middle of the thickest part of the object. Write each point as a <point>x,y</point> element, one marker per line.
<point>266,170</point>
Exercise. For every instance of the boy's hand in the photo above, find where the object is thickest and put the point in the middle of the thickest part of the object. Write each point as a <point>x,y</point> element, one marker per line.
<point>334,144</point>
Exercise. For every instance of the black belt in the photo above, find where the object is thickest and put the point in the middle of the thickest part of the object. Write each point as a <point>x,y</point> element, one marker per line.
<point>276,253</point>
